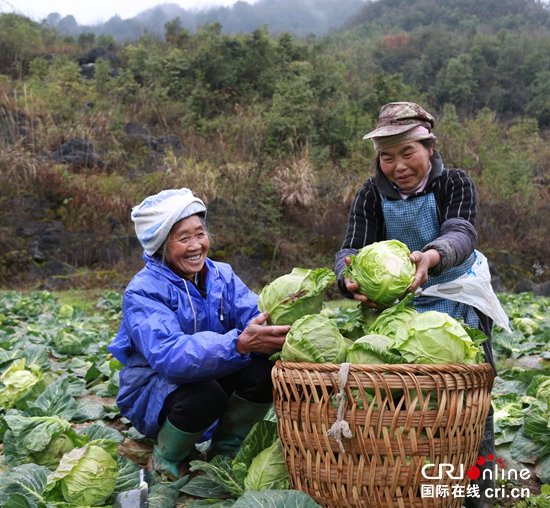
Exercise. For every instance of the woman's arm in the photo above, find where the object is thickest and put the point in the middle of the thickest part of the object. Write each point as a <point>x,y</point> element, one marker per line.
<point>365,226</point>
<point>177,355</point>
<point>457,208</point>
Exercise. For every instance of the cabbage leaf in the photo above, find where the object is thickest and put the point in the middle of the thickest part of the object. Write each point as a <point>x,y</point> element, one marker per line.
<point>294,295</point>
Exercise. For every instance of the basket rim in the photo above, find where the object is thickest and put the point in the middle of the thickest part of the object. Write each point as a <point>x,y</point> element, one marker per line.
<point>416,368</point>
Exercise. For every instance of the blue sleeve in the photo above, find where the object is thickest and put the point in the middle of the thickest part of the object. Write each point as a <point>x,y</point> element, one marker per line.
<point>179,357</point>
<point>243,303</point>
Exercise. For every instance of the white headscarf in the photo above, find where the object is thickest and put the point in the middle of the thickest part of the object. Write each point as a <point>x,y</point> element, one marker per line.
<point>155,216</point>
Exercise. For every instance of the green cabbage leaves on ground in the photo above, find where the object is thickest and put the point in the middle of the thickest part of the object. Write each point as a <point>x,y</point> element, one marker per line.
<point>58,402</point>
<point>521,393</point>
<point>63,442</point>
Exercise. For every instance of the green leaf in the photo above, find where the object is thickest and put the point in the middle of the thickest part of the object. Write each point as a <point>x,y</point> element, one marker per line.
<point>271,416</point>
<point>526,450</point>
<point>36,356</point>
<point>17,501</point>
<point>7,357</point>
<point>537,424</point>
<point>268,470</point>
<point>542,469</point>
<point>203,486</point>
<point>57,400</point>
<point>128,476</point>
<point>209,503</point>
<point>262,435</point>
<point>97,431</point>
<point>88,410</point>
<point>507,435</point>
<point>220,470</point>
<point>163,496</point>
<point>275,499</point>
<point>25,481</point>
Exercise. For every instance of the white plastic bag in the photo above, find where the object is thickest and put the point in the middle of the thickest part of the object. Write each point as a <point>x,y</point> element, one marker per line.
<point>474,288</point>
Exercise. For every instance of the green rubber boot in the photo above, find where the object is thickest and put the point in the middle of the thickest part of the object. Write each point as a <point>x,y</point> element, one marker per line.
<point>173,445</point>
<point>235,425</point>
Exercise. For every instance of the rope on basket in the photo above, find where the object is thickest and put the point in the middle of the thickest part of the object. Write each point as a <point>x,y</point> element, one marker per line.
<point>340,427</point>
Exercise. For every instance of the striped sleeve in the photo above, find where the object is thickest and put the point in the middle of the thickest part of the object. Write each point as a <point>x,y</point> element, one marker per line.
<point>456,197</point>
<point>456,206</point>
<point>365,220</point>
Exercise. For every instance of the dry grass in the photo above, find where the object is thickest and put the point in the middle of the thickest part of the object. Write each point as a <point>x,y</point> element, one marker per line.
<point>18,167</point>
<point>295,184</point>
<point>176,172</point>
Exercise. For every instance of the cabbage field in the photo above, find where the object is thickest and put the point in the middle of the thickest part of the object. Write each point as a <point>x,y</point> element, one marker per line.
<point>63,442</point>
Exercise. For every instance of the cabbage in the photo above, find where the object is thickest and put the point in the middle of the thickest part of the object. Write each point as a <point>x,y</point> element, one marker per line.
<point>393,318</point>
<point>543,390</point>
<point>86,476</point>
<point>435,337</point>
<point>54,451</point>
<point>41,439</point>
<point>16,381</point>
<point>525,325</point>
<point>294,295</point>
<point>268,470</point>
<point>383,271</point>
<point>353,322</point>
<point>314,339</point>
<point>372,349</point>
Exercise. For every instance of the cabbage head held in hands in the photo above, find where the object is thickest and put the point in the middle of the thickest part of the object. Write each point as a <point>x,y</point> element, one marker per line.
<point>294,295</point>
<point>314,339</point>
<point>383,271</point>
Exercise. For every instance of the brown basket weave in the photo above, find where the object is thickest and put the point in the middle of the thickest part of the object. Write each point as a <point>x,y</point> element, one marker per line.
<point>401,418</point>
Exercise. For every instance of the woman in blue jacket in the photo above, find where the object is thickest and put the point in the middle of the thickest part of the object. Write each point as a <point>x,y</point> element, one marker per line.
<point>194,345</point>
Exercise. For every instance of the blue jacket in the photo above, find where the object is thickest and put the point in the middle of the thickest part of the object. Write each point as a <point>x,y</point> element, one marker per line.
<point>171,335</point>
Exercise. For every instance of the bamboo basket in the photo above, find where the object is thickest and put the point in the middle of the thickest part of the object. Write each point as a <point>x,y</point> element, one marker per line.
<point>401,417</point>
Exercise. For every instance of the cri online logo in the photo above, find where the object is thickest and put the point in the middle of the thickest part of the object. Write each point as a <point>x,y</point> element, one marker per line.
<point>473,472</point>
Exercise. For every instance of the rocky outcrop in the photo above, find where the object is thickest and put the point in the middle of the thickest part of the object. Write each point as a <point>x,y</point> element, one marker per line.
<point>78,153</point>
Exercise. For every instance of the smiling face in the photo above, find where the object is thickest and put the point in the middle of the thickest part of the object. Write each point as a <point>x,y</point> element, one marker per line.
<point>187,246</point>
<point>407,164</point>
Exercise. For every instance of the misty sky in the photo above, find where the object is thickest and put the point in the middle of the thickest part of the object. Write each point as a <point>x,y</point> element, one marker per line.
<point>96,11</point>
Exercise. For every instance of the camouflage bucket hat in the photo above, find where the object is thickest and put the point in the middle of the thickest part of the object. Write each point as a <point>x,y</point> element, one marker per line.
<point>398,117</point>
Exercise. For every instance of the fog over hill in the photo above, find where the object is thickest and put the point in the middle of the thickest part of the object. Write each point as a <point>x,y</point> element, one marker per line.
<point>300,17</point>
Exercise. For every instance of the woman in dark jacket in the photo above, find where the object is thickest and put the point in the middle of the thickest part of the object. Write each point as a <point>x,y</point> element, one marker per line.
<point>413,198</point>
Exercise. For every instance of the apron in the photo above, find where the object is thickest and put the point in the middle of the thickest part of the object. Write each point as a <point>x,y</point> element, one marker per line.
<point>415,223</point>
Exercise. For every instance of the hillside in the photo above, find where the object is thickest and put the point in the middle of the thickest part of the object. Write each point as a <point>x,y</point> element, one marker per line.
<point>267,128</point>
<point>462,15</point>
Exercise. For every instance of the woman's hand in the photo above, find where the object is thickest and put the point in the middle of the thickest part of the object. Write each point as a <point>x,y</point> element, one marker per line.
<point>353,288</point>
<point>423,261</point>
<point>257,338</point>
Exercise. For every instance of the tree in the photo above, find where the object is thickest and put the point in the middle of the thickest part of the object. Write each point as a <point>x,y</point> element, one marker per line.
<point>539,106</point>
<point>456,82</point>
<point>20,41</point>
